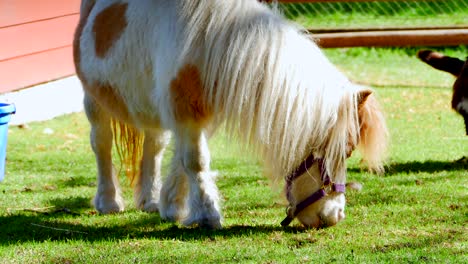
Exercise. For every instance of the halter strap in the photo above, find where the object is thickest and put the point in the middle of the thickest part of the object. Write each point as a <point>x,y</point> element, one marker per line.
<point>327,187</point>
<point>301,169</point>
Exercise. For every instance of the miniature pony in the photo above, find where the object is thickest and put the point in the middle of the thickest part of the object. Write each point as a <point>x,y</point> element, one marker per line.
<point>153,68</point>
<point>459,69</point>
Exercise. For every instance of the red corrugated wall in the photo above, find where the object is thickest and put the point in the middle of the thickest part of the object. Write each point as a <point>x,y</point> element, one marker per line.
<point>36,41</point>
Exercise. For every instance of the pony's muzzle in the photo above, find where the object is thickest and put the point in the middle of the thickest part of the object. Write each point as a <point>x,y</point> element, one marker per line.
<point>333,218</point>
<point>322,221</point>
<point>325,213</point>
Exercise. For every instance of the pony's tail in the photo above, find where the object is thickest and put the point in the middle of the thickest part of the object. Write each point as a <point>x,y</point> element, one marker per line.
<point>129,146</point>
<point>374,135</point>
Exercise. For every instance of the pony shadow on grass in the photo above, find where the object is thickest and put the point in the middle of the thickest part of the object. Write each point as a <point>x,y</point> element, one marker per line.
<point>60,226</point>
<point>428,166</point>
<point>76,181</point>
<point>75,203</point>
<point>74,218</point>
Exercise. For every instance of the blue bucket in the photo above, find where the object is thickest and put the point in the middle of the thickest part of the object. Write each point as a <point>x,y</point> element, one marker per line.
<point>5,115</point>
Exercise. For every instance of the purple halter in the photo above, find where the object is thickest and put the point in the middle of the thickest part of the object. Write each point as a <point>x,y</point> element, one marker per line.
<point>327,187</point>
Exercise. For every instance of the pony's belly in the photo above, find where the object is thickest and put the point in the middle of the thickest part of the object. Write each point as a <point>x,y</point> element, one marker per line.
<point>146,120</point>
<point>127,107</point>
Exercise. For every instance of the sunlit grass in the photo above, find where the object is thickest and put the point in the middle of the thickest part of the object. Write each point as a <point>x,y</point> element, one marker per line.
<point>416,212</point>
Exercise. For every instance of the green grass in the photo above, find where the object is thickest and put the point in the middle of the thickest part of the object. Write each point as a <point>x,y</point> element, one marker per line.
<point>415,213</point>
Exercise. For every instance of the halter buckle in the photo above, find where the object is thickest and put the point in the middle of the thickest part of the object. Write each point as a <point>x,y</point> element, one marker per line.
<point>328,188</point>
<point>289,211</point>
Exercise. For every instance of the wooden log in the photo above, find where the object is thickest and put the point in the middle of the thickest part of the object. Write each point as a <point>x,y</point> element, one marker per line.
<point>395,28</point>
<point>441,37</point>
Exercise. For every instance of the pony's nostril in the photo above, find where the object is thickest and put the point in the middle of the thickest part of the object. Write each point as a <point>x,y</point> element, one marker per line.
<point>341,215</point>
<point>332,219</point>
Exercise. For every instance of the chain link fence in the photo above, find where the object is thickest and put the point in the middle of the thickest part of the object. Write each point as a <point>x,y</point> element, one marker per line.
<point>353,23</point>
<point>334,15</point>
<point>384,23</point>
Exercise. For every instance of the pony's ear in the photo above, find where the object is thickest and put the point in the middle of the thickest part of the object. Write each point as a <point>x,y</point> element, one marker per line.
<point>362,97</point>
<point>441,62</point>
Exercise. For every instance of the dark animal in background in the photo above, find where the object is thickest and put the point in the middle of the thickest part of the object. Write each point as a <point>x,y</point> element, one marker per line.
<point>459,69</point>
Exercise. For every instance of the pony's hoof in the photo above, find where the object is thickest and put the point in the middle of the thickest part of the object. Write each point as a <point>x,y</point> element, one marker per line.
<point>206,223</point>
<point>108,206</point>
<point>172,213</point>
<point>167,217</point>
<point>211,224</point>
<point>150,207</point>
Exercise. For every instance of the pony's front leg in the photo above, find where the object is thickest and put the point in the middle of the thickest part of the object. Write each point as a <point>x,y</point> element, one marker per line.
<point>147,188</point>
<point>192,175</point>
<point>108,198</point>
<point>173,202</point>
<point>203,202</point>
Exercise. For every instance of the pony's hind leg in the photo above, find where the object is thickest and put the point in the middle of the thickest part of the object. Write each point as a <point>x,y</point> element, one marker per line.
<point>192,175</point>
<point>465,117</point>
<point>147,188</point>
<point>108,198</point>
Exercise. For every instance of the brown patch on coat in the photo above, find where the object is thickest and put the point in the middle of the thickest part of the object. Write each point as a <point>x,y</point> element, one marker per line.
<point>108,26</point>
<point>84,14</point>
<point>187,96</point>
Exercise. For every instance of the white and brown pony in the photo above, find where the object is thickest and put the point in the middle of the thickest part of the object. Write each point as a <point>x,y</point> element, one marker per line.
<point>152,68</point>
<point>457,68</point>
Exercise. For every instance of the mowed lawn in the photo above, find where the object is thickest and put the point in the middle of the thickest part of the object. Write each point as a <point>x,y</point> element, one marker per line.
<point>415,213</point>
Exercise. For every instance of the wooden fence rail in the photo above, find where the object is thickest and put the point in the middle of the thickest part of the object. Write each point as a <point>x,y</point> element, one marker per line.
<point>425,37</point>
<point>430,36</point>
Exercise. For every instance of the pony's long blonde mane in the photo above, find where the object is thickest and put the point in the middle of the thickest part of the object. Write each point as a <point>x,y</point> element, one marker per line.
<point>270,80</point>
